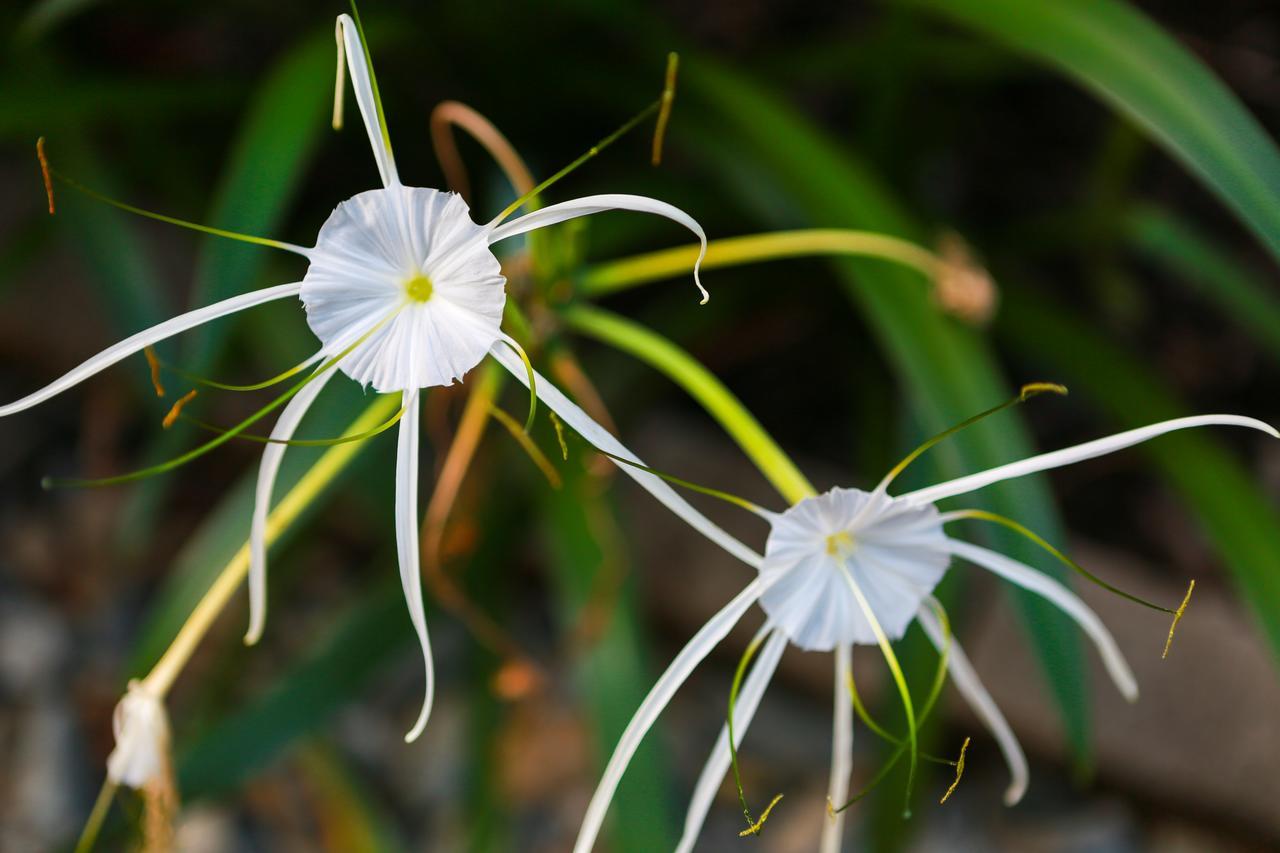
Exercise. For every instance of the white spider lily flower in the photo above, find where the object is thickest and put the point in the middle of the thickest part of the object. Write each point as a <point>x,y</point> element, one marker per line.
<point>404,293</point>
<point>141,729</point>
<point>847,568</point>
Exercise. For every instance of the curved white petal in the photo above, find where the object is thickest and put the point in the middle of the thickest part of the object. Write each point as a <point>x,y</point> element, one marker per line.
<point>348,36</point>
<point>137,343</point>
<point>582,423</point>
<point>841,752</point>
<point>588,205</point>
<point>268,468</point>
<point>659,695</point>
<point>713,773</point>
<point>1071,455</point>
<point>1064,599</point>
<point>407,547</point>
<point>970,686</point>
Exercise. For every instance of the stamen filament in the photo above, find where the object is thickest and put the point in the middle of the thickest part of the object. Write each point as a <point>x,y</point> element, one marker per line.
<point>373,81</point>
<point>1027,391</point>
<point>303,442</point>
<point>182,223</point>
<point>983,515</point>
<point>163,467</point>
<point>663,102</point>
<point>753,825</point>
<point>930,702</point>
<point>157,363</point>
<point>533,379</point>
<point>526,444</point>
<point>728,497</point>
<point>891,660</point>
<point>664,112</point>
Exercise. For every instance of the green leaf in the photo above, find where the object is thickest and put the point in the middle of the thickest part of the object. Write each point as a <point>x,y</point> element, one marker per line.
<point>947,369</point>
<point>1131,63</point>
<point>1228,502</point>
<point>1213,272</point>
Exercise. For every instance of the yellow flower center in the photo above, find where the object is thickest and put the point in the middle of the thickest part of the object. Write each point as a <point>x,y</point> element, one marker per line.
<point>839,544</point>
<point>419,288</point>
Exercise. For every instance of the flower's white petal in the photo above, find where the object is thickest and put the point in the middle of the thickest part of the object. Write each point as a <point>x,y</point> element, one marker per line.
<point>582,423</point>
<point>659,695</point>
<point>407,546</point>
<point>841,752</point>
<point>349,37</point>
<point>268,468</point>
<point>588,205</point>
<point>1064,599</point>
<point>137,343</point>
<point>141,729</point>
<point>713,773</point>
<point>970,686</point>
<point>1071,455</point>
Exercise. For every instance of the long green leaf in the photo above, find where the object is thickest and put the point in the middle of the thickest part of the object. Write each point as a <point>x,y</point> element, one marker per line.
<point>1135,66</point>
<point>1234,511</point>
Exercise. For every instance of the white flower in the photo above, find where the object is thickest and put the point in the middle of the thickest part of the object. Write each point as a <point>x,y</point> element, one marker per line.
<point>843,567</point>
<point>404,293</point>
<point>141,729</point>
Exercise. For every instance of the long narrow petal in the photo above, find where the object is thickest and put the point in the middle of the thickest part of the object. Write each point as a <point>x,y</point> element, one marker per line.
<point>599,204</point>
<point>970,686</point>
<point>362,84</point>
<point>583,424</point>
<point>713,773</point>
<point>1063,598</point>
<point>841,751</point>
<point>268,468</point>
<point>1071,455</point>
<point>407,546</point>
<point>660,694</point>
<point>137,343</point>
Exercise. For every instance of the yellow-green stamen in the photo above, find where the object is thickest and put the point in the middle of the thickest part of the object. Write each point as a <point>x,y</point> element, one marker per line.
<point>753,825</point>
<point>1032,389</point>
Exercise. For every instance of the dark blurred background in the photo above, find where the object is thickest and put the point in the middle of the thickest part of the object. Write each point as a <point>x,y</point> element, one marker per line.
<point>297,744</point>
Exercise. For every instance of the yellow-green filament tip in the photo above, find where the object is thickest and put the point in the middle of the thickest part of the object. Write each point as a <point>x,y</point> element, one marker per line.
<point>564,446</point>
<point>419,288</point>
<point>154,363</point>
<point>959,772</point>
<point>44,171</point>
<point>340,80</point>
<point>754,829</point>
<point>1032,389</point>
<point>1177,617</point>
<point>176,409</point>
<point>1026,392</point>
<point>664,111</point>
